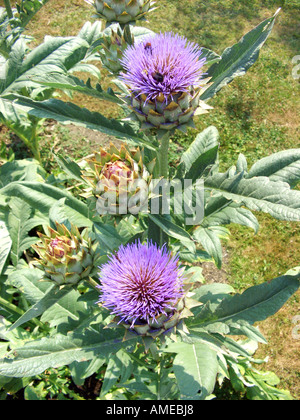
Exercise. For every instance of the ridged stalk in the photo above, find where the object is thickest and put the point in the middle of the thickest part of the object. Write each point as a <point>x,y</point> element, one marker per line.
<point>155,233</point>
<point>8,9</point>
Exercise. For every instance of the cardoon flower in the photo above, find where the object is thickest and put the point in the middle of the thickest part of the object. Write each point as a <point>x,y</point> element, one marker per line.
<point>164,74</point>
<point>142,285</point>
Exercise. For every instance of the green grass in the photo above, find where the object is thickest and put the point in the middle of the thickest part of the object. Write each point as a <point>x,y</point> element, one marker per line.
<point>256,115</point>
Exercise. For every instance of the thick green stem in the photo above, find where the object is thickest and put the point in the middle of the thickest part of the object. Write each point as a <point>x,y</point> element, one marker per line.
<point>34,141</point>
<point>164,173</point>
<point>154,352</point>
<point>8,9</point>
<point>93,284</point>
<point>164,156</point>
<point>155,234</point>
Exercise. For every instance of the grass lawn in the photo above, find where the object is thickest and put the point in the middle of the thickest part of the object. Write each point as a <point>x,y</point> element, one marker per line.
<point>256,115</point>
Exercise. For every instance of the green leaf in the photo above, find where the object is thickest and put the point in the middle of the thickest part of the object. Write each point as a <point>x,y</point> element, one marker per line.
<point>209,237</point>
<point>51,297</point>
<point>173,230</point>
<point>68,113</point>
<point>82,370</point>
<point>256,304</point>
<point>69,167</point>
<point>42,197</point>
<point>120,366</point>
<point>201,154</point>
<point>231,214</point>
<point>5,245</point>
<point>36,356</point>
<point>258,193</point>
<point>28,281</point>
<point>16,119</point>
<point>21,170</point>
<point>196,368</point>
<point>91,32</point>
<point>56,54</point>
<point>72,83</point>
<point>282,166</point>
<point>107,236</point>
<point>265,386</point>
<point>215,292</point>
<point>211,56</point>
<point>19,223</point>
<point>26,10</point>
<point>57,214</point>
<point>236,60</point>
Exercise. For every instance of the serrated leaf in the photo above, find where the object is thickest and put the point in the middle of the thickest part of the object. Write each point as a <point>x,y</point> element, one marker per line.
<point>56,307</point>
<point>26,10</point>
<point>19,224</point>
<point>70,167</point>
<point>201,154</point>
<point>72,83</point>
<point>215,292</point>
<point>232,214</point>
<point>50,298</point>
<point>236,60</point>
<point>258,193</point>
<point>195,367</point>
<point>209,238</point>
<point>282,166</point>
<point>21,170</point>
<point>68,113</point>
<point>42,197</point>
<point>28,282</point>
<point>255,304</point>
<point>36,356</point>
<point>120,366</point>
<point>54,54</point>
<point>211,56</point>
<point>171,229</point>
<point>82,370</point>
<point>57,214</point>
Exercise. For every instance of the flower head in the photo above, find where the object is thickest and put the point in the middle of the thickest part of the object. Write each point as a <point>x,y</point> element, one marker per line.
<point>66,255</point>
<point>164,76</point>
<point>165,64</point>
<point>122,11</point>
<point>119,180</point>
<point>141,282</point>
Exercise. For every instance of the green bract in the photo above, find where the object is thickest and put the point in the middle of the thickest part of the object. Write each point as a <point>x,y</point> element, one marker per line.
<point>66,256</point>
<point>168,113</point>
<point>164,325</point>
<point>114,44</point>
<point>119,180</point>
<point>122,11</point>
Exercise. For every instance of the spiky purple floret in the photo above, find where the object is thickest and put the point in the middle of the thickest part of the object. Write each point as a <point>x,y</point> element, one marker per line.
<point>162,64</point>
<point>140,282</point>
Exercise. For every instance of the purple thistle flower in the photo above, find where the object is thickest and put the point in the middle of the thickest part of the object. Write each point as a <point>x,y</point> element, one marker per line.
<point>140,282</point>
<point>164,64</point>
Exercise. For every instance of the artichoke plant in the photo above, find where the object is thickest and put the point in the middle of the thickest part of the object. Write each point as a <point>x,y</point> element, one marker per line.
<point>122,11</point>
<point>118,180</point>
<point>143,286</point>
<point>66,255</point>
<point>163,74</point>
